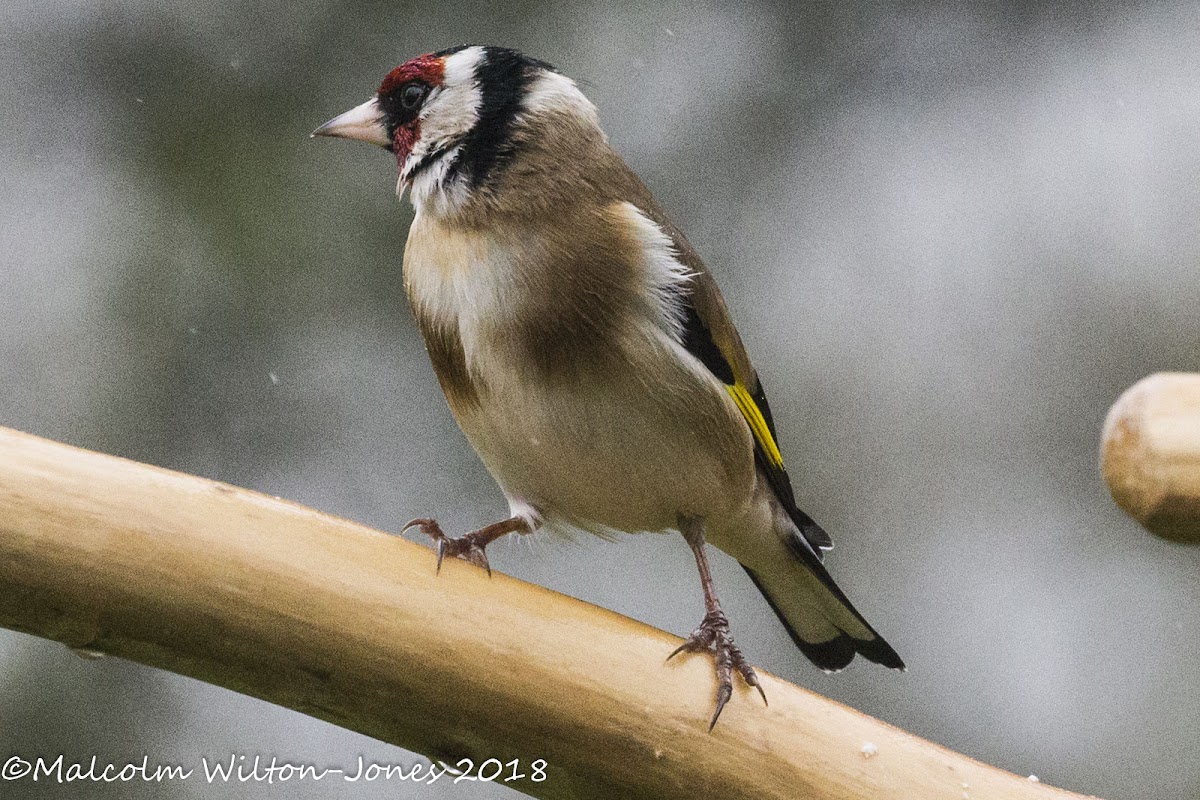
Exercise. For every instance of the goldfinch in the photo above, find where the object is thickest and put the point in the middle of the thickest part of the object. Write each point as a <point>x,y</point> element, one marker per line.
<point>584,348</point>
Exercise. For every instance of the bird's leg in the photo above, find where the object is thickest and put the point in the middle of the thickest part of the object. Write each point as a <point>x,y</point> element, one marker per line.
<point>712,636</point>
<point>470,546</point>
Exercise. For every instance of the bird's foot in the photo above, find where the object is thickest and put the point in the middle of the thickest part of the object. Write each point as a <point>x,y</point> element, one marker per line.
<point>712,636</point>
<point>469,547</point>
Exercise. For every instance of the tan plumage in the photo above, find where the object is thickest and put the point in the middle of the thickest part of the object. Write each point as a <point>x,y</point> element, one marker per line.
<point>582,345</point>
<point>555,396</point>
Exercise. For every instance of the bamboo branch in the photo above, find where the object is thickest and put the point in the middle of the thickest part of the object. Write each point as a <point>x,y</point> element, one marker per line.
<point>1151,454</point>
<point>353,626</point>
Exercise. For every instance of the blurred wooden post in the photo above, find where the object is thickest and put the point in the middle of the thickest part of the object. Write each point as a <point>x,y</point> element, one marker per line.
<point>355,627</point>
<point>1151,454</point>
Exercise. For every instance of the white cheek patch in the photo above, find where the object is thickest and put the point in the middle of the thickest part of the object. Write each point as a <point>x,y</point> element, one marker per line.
<point>451,111</point>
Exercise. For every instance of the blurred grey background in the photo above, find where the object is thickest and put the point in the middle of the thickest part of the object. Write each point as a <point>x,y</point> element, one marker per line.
<point>951,235</point>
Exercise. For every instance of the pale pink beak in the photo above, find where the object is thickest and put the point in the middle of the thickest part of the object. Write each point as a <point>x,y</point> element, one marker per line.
<point>364,123</point>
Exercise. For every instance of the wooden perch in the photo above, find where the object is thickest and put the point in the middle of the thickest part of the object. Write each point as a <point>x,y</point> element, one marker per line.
<point>1151,454</point>
<point>353,626</point>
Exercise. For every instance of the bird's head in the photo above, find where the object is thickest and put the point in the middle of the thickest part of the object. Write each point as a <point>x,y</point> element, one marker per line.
<point>455,119</point>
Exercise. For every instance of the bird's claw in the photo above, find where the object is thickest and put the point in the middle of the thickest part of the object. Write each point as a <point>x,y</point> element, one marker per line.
<point>712,636</point>
<point>469,547</point>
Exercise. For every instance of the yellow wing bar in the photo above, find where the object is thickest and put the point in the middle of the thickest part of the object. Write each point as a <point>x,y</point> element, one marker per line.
<point>758,425</point>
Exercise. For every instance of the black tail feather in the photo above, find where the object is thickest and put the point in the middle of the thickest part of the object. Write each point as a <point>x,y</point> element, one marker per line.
<point>835,654</point>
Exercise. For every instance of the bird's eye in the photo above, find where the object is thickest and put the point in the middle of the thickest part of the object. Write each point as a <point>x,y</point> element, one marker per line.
<point>412,95</point>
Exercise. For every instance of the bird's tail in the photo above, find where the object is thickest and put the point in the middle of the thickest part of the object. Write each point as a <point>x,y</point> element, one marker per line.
<point>821,620</point>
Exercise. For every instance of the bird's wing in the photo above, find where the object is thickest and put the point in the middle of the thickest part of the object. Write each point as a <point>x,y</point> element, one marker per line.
<point>819,617</point>
<point>709,335</point>
<point>791,576</point>
<point>723,354</point>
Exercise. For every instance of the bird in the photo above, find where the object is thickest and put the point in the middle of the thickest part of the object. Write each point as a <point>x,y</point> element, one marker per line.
<point>585,350</point>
